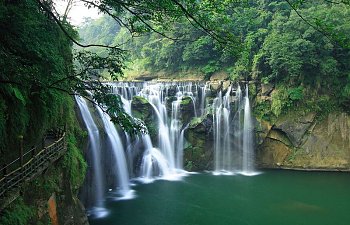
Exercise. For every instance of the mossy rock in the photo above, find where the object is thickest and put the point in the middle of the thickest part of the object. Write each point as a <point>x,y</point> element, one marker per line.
<point>143,110</point>
<point>187,110</point>
<point>198,153</point>
<point>185,101</point>
<point>196,158</point>
<point>139,100</point>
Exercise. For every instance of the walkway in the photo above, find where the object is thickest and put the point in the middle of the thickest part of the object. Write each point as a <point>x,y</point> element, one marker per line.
<point>30,164</point>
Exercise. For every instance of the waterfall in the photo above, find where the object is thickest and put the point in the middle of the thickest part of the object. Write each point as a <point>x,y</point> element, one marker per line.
<point>95,149</point>
<point>222,131</point>
<point>233,134</point>
<point>153,162</point>
<point>171,141</point>
<point>120,168</point>
<point>203,94</point>
<point>248,144</point>
<point>137,157</point>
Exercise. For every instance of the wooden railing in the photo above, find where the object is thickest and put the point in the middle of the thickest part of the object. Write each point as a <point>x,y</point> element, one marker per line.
<point>32,162</point>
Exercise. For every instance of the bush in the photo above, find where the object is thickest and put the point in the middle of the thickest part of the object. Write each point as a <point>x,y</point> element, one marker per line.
<point>284,98</point>
<point>17,214</point>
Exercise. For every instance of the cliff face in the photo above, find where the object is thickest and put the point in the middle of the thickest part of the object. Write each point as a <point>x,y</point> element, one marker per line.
<point>301,141</point>
<point>300,138</point>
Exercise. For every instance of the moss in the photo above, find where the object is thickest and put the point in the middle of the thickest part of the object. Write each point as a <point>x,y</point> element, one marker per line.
<point>262,111</point>
<point>140,99</point>
<point>144,111</point>
<point>189,165</point>
<point>195,121</point>
<point>186,101</point>
<point>74,163</point>
<point>17,214</point>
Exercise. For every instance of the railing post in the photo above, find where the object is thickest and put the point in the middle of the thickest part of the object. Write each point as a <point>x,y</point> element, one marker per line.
<point>4,171</point>
<point>33,151</point>
<point>21,149</point>
<point>43,143</point>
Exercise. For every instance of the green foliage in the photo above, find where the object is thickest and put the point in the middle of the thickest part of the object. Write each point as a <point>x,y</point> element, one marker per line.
<point>284,98</point>
<point>345,94</point>
<point>189,165</point>
<point>17,214</point>
<point>74,163</point>
<point>279,101</point>
<point>262,111</point>
<point>185,101</point>
<point>210,68</point>
<point>296,94</point>
<point>195,121</point>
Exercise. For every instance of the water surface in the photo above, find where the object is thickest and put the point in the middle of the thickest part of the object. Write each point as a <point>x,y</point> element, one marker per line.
<point>274,197</point>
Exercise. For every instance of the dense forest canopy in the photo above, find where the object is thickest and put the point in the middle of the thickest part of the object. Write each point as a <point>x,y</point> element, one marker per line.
<point>301,46</point>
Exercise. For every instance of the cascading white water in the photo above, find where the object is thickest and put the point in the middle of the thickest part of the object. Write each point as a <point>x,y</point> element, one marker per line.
<point>154,95</point>
<point>120,169</point>
<point>232,129</point>
<point>175,129</point>
<point>153,162</point>
<point>222,131</point>
<point>203,94</point>
<point>171,129</point>
<point>95,149</point>
<point>248,144</point>
<point>233,134</point>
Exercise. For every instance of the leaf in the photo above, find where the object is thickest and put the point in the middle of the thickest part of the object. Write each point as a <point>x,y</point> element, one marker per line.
<point>19,95</point>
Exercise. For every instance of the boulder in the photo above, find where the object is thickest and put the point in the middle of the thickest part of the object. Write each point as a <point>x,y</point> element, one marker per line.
<point>186,110</point>
<point>142,109</point>
<point>198,152</point>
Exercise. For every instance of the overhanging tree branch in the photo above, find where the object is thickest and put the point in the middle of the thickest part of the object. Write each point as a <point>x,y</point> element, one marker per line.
<point>58,22</point>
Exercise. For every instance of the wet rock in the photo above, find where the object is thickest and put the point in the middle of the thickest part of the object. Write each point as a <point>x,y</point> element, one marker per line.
<point>143,110</point>
<point>187,110</point>
<point>215,86</point>
<point>225,85</point>
<point>262,129</point>
<point>198,153</point>
<point>280,136</point>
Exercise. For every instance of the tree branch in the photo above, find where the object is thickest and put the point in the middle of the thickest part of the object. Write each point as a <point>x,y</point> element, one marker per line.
<point>324,33</point>
<point>148,25</point>
<point>66,32</point>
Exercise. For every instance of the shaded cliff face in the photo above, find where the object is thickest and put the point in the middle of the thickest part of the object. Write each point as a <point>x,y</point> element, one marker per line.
<point>300,140</point>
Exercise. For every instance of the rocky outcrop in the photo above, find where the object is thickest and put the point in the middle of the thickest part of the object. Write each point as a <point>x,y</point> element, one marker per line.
<point>143,110</point>
<point>198,153</point>
<point>186,110</point>
<point>302,141</point>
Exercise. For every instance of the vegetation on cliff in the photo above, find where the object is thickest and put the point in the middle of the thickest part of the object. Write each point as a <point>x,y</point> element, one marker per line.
<point>35,53</point>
